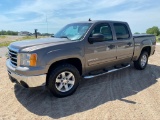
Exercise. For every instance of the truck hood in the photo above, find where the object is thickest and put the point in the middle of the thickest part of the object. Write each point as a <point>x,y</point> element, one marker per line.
<point>31,43</point>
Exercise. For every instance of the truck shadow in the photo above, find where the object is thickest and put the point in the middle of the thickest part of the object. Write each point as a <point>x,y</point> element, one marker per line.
<point>90,94</point>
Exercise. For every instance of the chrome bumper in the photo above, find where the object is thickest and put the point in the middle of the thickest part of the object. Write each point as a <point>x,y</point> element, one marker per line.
<point>28,81</point>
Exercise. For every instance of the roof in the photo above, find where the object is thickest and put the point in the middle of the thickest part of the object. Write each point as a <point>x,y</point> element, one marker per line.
<point>97,21</point>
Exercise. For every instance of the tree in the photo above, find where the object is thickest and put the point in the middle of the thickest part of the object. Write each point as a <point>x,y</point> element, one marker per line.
<point>136,33</point>
<point>9,32</point>
<point>154,30</point>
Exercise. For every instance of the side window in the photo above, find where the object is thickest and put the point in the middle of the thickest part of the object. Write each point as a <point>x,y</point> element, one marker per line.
<point>104,29</point>
<point>121,31</point>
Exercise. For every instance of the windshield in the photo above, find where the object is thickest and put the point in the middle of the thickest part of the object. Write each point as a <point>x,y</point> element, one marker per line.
<point>73,31</point>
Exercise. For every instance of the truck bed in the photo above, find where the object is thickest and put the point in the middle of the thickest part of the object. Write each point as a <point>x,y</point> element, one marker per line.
<point>142,35</point>
<point>143,40</point>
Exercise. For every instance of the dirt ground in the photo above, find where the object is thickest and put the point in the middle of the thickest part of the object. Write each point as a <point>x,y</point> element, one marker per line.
<point>3,51</point>
<point>127,94</point>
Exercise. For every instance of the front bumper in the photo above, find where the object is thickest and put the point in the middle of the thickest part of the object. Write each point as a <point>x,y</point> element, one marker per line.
<point>25,80</point>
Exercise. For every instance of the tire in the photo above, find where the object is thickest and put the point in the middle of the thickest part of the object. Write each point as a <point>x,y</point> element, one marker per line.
<point>142,61</point>
<point>61,77</point>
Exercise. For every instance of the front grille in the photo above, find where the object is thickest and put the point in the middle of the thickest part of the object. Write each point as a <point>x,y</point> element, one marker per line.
<point>12,56</point>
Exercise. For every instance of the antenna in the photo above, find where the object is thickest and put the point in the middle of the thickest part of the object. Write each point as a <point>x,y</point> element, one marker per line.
<point>89,19</point>
<point>47,22</point>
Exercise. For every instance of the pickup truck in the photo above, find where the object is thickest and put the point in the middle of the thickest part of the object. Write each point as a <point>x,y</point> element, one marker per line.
<point>79,50</point>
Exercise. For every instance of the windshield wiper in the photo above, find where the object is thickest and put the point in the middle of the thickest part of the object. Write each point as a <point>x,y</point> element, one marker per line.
<point>64,37</point>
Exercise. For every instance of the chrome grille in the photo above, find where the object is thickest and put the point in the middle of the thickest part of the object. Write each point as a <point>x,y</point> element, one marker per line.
<point>12,56</point>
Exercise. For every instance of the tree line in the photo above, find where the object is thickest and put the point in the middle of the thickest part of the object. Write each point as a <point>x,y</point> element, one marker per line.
<point>153,30</point>
<point>9,32</point>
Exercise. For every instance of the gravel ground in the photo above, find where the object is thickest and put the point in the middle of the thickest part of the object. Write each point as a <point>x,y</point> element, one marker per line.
<point>3,51</point>
<point>127,94</point>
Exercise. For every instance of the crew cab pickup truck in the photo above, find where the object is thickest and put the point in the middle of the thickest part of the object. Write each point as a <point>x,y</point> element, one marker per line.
<point>79,50</point>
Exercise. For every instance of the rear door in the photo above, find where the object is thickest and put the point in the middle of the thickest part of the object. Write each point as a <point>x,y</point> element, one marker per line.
<point>124,42</point>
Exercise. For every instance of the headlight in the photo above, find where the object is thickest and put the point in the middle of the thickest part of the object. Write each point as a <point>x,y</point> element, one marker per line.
<point>28,59</point>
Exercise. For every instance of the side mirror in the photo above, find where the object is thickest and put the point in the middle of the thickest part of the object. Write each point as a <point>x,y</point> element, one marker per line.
<point>52,35</point>
<point>96,38</point>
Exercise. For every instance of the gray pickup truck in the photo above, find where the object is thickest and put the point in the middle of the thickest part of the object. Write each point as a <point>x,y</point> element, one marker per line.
<point>79,50</point>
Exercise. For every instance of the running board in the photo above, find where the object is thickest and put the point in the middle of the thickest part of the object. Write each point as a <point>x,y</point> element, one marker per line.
<point>110,71</point>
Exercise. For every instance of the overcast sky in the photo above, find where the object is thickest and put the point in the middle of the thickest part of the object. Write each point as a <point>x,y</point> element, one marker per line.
<point>26,15</point>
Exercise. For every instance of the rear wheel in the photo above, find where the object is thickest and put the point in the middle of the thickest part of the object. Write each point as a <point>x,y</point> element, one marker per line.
<point>63,80</point>
<point>142,61</point>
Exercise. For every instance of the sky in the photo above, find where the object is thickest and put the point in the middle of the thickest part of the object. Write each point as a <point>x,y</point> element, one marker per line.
<point>27,15</point>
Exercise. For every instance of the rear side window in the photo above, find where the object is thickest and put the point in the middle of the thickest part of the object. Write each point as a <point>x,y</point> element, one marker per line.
<point>121,31</point>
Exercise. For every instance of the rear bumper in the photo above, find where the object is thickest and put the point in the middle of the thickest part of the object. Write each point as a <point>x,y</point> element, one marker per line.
<point>27,81</point>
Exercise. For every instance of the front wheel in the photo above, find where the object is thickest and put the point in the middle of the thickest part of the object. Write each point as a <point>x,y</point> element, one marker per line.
<point>142,61</point>
<point>63,80</point>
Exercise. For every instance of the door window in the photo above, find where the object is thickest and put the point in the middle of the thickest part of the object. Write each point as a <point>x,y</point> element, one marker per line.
<point>121,31</point>
<point>104,29</point>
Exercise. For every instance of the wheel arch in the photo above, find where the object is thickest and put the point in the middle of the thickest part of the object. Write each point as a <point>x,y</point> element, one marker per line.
<point>73,61</point>
<point>138,52</point>
<point>147,49</point>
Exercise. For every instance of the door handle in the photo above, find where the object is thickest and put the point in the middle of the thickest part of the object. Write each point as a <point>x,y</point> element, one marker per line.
<point>130,44</point>
<point>111,46</point>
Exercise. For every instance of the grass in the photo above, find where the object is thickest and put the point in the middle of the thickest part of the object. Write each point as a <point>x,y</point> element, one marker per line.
<point>6,43</point>
<point>27,37</point>
<point>2,36</point>
<point>157,38</point>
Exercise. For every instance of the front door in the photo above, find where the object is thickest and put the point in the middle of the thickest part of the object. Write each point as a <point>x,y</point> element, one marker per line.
<point>101,54</point>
